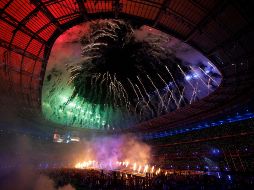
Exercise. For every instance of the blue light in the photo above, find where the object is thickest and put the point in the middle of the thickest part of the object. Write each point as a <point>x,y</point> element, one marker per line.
<point>188,77</point>
<point>235,118</point>
<point>207,71</point>
<point>195,75</point>
<point>215,151</point>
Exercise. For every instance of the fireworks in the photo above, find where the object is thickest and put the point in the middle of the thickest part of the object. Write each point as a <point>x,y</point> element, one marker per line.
<point>118,70</point>
<point>132,168</point>
<point>123,76</point>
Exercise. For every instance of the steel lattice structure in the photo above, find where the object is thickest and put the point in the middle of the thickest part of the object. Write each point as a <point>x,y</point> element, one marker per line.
<point>222,30</point>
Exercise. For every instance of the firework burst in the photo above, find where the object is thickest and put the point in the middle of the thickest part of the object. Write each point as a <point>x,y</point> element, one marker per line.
<point>119,70</point>
<point>123,75</point>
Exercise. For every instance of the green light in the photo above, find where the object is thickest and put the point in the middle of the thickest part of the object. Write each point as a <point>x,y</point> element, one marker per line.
<point>57,107</point>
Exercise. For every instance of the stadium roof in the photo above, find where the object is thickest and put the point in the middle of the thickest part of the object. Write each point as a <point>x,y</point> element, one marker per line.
<point>221,29</point>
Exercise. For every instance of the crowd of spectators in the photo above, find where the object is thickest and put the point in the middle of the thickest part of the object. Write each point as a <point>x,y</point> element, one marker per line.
<point>114,180</point>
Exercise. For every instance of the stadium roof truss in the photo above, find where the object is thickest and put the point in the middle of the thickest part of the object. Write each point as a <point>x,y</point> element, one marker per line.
<point>221,29</point>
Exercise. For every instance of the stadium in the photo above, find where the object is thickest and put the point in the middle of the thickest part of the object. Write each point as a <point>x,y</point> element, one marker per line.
<point>126,94</point>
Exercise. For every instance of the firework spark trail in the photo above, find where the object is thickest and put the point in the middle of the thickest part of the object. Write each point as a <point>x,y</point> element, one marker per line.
<point>105,34</point>
<point>147,94</point>
<point>91,47</point>
<point>208,84</point>
<point>133,88</point>
<point>137,96</point>
<point>184,74</point>
<point>114,90</point>
<point>143,102</point>
<point>159,95</point>
<point>173,81</point>
<point>198,76</point>
<point>172,95</point>
<point>118,90</point>
<point>209,76</point>
<point>194,94</point>
<point>124,95</point>
<point>101,83</point>
<point>194,89</point>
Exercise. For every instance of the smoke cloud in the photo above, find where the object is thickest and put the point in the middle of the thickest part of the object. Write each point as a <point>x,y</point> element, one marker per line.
<point>108,150</point>
<point>24,158</point>
<point>45,183</point>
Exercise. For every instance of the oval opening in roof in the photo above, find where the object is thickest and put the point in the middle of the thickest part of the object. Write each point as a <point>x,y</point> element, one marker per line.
<point>105,74</point>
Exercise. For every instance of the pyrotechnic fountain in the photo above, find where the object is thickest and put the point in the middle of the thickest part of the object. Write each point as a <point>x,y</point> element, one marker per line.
<point>125,166</point>
<point>113,76</point>
<point>123,153</point>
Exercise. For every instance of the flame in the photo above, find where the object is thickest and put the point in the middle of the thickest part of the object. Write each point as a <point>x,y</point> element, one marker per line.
<point>86,164</point>
<point>158,171</point>
<point>146,168</point>
<point>134,167</point>
<point>126,166</point>
<point>139,168</point>
<point>152,170</point>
